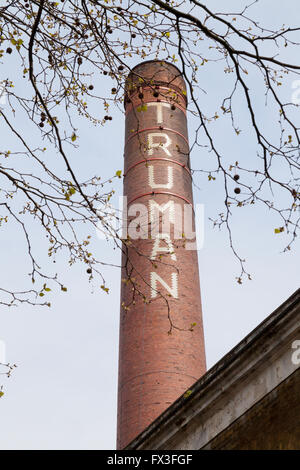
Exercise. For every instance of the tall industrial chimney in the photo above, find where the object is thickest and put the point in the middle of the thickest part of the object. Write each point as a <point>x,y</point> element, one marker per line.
<point>161,352</point>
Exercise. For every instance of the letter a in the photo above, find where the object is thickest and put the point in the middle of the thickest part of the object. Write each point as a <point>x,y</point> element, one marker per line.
<point>163,249</point>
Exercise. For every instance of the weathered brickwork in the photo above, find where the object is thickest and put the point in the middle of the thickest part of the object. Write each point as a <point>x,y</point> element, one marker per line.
<point>160,280</point>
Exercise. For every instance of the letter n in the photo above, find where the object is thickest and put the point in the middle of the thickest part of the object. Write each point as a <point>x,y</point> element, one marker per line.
<point>173,291</point>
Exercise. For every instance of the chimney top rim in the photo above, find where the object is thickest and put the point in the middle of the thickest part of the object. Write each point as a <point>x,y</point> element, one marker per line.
<point>180,75</point>
<point>155,61</point>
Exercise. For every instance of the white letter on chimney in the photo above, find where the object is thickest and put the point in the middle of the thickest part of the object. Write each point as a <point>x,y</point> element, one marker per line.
<point>173,291</point>
<point>163,249</point>
<point>164,146</point>
<point>154,185</point>
<point>159,106</point>
<point>166,212</point>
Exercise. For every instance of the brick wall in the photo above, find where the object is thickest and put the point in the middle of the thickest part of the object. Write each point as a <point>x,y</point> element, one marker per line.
<point>156,367</point>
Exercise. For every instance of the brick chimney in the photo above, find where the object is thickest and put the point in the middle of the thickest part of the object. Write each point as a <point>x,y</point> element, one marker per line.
<point>161,352</point>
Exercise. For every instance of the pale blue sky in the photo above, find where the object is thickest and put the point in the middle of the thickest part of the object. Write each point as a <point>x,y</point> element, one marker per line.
<point>63,394</point>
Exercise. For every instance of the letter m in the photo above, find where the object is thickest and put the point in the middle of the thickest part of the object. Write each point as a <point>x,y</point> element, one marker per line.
<point>167,211</point>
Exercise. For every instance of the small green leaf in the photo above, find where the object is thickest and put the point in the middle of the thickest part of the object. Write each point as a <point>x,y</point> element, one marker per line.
<point>74,137</point>
<point>141,108</point>
<point>119,173</point>
<point>1,394</point>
